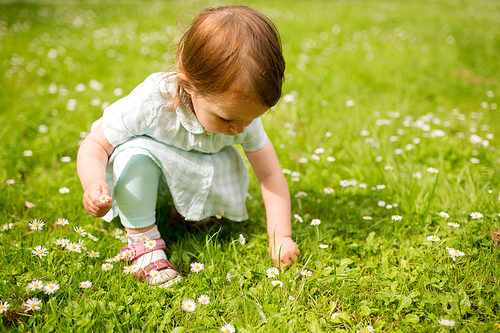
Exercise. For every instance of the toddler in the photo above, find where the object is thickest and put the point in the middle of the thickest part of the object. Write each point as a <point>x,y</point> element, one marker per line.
<point>180,129</point>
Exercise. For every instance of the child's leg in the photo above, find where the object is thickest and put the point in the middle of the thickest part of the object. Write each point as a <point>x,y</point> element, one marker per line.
<point>136,195</point>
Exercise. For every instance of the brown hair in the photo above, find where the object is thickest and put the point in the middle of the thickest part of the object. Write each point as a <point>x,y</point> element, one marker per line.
<point>229,43</point>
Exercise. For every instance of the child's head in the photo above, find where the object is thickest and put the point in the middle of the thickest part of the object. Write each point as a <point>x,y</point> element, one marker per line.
<point>232,54</point>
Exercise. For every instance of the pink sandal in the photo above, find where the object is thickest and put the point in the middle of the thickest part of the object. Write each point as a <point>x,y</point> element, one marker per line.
<point>134,252</point>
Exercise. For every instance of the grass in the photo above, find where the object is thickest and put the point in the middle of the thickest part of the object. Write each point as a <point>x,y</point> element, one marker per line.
<point>423,77</point>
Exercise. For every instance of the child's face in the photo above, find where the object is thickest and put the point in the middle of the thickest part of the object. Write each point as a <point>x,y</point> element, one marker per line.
<point>226,117</point>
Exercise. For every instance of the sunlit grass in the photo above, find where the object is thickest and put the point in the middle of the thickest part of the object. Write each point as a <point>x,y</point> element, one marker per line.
<point>374,84</point>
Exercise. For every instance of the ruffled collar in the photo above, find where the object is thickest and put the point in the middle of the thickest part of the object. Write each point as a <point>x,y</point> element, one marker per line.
<point>189,121</point>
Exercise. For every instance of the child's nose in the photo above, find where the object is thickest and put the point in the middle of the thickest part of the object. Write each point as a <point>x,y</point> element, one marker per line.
<point>238,127</point>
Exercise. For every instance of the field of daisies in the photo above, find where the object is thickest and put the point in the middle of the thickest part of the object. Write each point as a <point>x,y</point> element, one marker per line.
<point>388,134</point>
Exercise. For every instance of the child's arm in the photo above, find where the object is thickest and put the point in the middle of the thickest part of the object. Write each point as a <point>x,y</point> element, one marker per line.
<point>266,166</point>
<point>91,164</point>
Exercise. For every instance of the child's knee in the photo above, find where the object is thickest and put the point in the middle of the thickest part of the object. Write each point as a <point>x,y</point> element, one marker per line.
<point>142,165</point>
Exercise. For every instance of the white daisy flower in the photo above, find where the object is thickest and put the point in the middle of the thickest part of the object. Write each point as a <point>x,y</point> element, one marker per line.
<point>150,244</point>
<point>197,267</point>
<point>85,284</point>
<point>432,170</point>
<point>74,247</point>
<point>80,231</point>
<point>4,307</point>
<point>242,239</point>
<point>323,246</point>
<point>445,215</point>
<point>272,272</point>
<point>433,238</point>
<point>39,251</point>
<point>64,190</point>
<point>397,217</point>
<point>446,322</point>
<point>453,224</point>
<point>476,215</point>
<point>315,222</point>
<point>106,267</point>
<point>93,254</point>
<point>277,283</point>
<point>305,272</point>
<point>50,288</point>
<point>36,224</point>
<point>204,299</point>
<point>299,218</point>
<point>35,285</point>
<point>188,305</point>
<point>32,304</point>
<point>228,328</point>
<point>328,190</point>
<point>62,222</point>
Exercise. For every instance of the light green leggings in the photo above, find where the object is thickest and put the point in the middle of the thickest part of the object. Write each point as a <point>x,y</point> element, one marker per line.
<point>136,192</point>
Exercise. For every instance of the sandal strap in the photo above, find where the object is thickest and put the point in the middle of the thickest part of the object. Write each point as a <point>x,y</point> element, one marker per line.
<point>159,265</point>
<point>132,252</point>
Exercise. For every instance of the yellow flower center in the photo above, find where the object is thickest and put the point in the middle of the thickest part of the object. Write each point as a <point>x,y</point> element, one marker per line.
<point>40,251</point>
<point>1,306</point>
<point>36,225</point>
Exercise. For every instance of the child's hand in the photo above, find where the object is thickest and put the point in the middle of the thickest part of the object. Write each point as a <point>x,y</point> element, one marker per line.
<point>97,200</point>
<point>283,251</point>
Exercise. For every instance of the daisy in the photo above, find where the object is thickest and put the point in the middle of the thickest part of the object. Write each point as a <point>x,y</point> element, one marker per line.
<point>155,276</point>
<point>476,216</point>
<point>106,267</point>
<point>80,231</point>
<point>432,170</point>
<point>305,272</point>
<point>39,251</point>
<point>446,322</point>
<point>328,190</point>
<point>367,218</point>
<point>445,215</point>
<point>128,269</point>
<point>455,254</point>
<point>204,299</point>
<point>94,238</point>
<point>150,244</point>
<point>319,150</point>
<point>242,239</point>
<point>188,305</point>
<point>108,259</point>
<point>36,224</point>
<point>64,190</point>
<point>118,257</point>
<point>118,233</point>
<point>323,246</point>
<point>345,183</point>
<point>50,288</point>
<point>228,328</point>
<point>369,329</point>
<point>286,171</point>
<point>127,254</point>
<point>453,224</point>
<point>397,218</point>
<point>291,298</point>
<point>10,182</point>
<point>330,159</point>
<point>81,243</point>
<point>103,198</point>
<point>93,254</point>
<point>62,242</point>
<point>85,284</point>
<point>218,216</point>
<point>32,304</point>
<point>474,160</point>
<point>315,157</point>
<point>28,204</point>
<point>73,247</point>
<point>144,239</point>
<point>362,185</point>
<point>299,218</point>
<point>62,222</point>
<point>272,272</point>
<point>4,307</point>
<point>433,238</point>
<point>35,285</point>
<point>295,179</point>
<point>7,226</point>
<point>381,203</point>
<point>388,168</point>
<point>300,194</point>
<point>125,238</point>
<point>197,266</point>
<point>277,283</point>
<point>380,187</point>
<point>315,222</point>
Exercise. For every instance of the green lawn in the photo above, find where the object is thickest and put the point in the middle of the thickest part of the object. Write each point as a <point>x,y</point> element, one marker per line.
<point>387,90</point>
